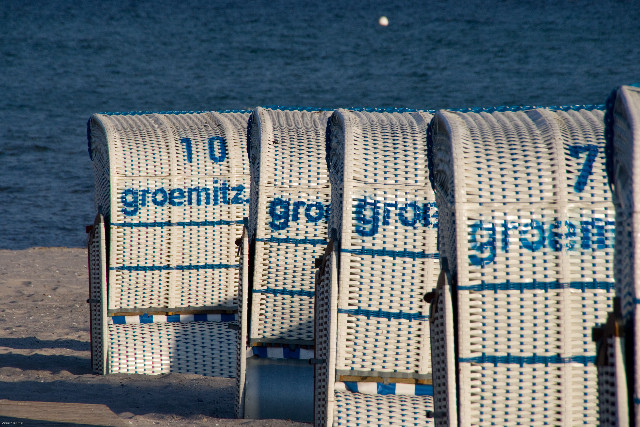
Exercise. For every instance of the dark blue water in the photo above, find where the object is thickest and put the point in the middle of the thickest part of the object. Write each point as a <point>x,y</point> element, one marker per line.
<point>61,61</point>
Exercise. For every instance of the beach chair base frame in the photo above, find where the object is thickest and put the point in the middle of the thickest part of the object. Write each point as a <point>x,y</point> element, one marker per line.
<point>281,389</point>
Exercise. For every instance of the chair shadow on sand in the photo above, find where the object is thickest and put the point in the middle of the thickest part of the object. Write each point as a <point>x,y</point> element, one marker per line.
<point>66,376</point>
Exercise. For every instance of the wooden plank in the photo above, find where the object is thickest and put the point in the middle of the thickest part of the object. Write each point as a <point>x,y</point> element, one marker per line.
<point>72,413</point>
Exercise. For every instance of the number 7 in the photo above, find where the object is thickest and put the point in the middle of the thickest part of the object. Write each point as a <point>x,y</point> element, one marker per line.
<point>587,166</point>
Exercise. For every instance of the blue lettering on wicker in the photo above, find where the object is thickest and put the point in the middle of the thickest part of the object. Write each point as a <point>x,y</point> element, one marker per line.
<point>175,197</point>
<point>279,213</point>
<point>531,236</point>
<point>482,240</point>
<point>283,212</point>
<point>187,149</point>
<point>196,194</point>
<point>237,196</point>
<point>412,214</point>
<point>217,149</point>
<point>160,197</point>
<point>129,201</point>
<point>591,234</point>
<point>587,166</point>
<point>222,150</point>
<point>367,217</point>
<point>133,199</point>
<point>560,238</point>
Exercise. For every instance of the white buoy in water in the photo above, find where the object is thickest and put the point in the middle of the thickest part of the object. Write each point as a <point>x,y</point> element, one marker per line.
<point>383,21</point>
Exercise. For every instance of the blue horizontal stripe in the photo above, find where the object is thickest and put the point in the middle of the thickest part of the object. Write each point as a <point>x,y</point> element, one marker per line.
<point>289,240</point>
<point>172,267</point>
<point>389,110</point>
<point>389,315</point>
<point>390,389</point>
<point>296,108</point>
<point>288,292</point>
<point>140,113</point>
<point>492,109</point>
<point>636,400</point>
<point>391,253</point>
<point>424,390</point>
<point>177,224</point>
<point>536,285</point>
<point>173,318</point>
<point>529,360</point>
<point>145,318</point>
<point>118,320</point>
<point>288,352</point>
<point>513,108</point>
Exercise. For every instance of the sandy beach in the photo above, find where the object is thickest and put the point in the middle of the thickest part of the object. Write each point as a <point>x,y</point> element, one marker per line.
<point>45,361</point>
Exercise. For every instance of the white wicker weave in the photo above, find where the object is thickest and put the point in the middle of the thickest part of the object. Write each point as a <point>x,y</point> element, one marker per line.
<point>526,238</point>
<point>372,330</point>
<point>173,189</point>
<point>623,160</point>
<point>287,221</point>
<point>286,232</point>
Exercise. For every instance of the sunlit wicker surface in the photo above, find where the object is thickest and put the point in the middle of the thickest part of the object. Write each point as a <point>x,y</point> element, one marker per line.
<point>173,189</point>
<point>372,321</point>
<point>526,228</point>
<point>287,221</point>
<point>623,159</point>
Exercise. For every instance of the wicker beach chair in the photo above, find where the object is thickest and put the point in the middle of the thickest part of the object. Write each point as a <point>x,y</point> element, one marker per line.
<point>526,248</point>
<point>622,133</point>
<point>373,362</point>
<point>286,232</point>
<point>171,190</point>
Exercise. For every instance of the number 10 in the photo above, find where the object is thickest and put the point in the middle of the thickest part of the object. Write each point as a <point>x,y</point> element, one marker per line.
<point>213,143</point>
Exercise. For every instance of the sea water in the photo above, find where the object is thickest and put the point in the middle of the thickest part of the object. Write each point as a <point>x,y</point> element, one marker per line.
<point>61,61</point>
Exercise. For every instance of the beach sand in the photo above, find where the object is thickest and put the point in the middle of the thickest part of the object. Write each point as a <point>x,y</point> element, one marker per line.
<point>45,361</point>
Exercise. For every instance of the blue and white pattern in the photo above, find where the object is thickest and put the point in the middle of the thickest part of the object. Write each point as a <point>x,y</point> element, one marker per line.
<point>398,389</point>
<point>281,353</point>
<point>173,318</point>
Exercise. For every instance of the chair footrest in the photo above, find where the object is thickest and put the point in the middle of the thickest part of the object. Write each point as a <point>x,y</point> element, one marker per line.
<point>371,409</point>
<point>202,348</point>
